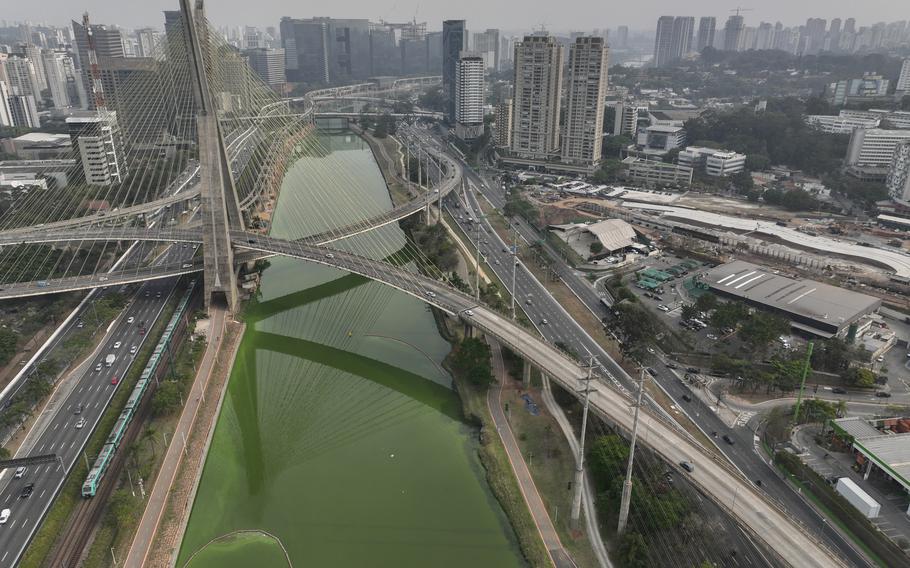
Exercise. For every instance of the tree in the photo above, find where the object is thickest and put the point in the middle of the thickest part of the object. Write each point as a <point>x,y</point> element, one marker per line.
<point>763,328</point>
<point>706,302</point>
<point>743,182</point>
<point>859,377</point>
<point>689,311</point>
<point>833,355</point>
<point>168,398</point>
<point>472,361</point>
<point>633,551</point>
<point>597,247</point>
<point>4,454</point>
<point>8,342</point>
<point>608,171</point>
<point>728,314</point>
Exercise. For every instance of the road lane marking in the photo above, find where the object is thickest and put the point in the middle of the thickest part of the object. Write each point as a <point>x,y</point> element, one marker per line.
<point>73,443</point>
<point>42,494</point>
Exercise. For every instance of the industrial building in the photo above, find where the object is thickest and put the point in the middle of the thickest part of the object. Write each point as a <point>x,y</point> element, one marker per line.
<point>613,235</point>
<point>656,173</point>
<point>39,146</point>
<point>812,307</point>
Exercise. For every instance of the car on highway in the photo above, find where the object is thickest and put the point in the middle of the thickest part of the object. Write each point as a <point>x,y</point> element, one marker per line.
<point>544,321</point>
<point>117,344</point>
<point>329,255</point>
<point>27,491</point>
<point>469,313</point>
<point>98,368</point>
<point>663,308</point>
<point>133,350</point>
<point>147,293</point>
<point>157,294</point>
<point>728,439</point>
<point>80,324</point>
<point>80,423</point>
<point>115,380</point>
<point>672,366</point>
<point>687,465</point>
<point>883,394</point>
<point>79,408</point>
<point>838,390</point>
<point>4,516</point>
<point>141,331</point>
<point>20,471</point>
<point>687,398</point>
<point>652,372</point>
<point>130,319</point>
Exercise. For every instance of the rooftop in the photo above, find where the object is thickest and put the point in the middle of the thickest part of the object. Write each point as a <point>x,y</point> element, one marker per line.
<point>889,449</point>
<point>806,299</point>
<point>44,138</point>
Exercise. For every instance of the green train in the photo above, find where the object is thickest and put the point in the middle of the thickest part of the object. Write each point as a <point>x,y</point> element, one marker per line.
<point>103,461</point>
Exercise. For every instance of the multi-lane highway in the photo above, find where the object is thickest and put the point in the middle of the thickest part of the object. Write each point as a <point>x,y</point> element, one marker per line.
<point>74,411</point>
<point>560,327</point>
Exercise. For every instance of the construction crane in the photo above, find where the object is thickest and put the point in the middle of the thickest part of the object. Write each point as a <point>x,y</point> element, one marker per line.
<point>94,70</point>
<point>738,10</point>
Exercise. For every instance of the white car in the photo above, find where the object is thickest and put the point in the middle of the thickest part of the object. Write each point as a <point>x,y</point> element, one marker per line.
<point>4,516</point>
<point>131,319</point>
<point>80,423</point>
<point>133,350</point>
<point>117,345</point>
<point>20,471</point>
<point>663,308</point>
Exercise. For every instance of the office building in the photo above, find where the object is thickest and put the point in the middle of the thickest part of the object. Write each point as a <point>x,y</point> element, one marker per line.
<point>898,180</point>
<point>657,140</point>
<point>721,164</point>
<point>841,124</point>
<point>503,122</point>
<point>23,111</point>
<point>108,46</point>
<point>59,69</point>
<point>454,41</point>
<point>733,33</point>
<point>871,152</point>
<point>764,36</point>
<point>322,51</point>
<point>97,139</point>
<point>469,95</point>
<point>899,119</point>
<point>487,45</point>
<point>903,81</point>
<point>39,145</point>
<point>538,65</point>
<point>268,63</point>
<point>663,41</point>
<point>706,28</point>
<point>587,85</point>
<point>815,33</point>
<point>656,172</point>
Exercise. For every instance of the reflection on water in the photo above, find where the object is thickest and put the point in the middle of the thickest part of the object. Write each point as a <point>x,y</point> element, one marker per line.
<point>339,432</point>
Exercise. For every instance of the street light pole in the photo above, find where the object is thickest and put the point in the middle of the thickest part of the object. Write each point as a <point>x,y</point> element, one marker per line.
<point>514,266</point>
<point>627,486</point>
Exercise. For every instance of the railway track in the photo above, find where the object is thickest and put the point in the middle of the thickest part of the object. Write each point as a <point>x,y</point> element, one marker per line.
<point>70,545</point>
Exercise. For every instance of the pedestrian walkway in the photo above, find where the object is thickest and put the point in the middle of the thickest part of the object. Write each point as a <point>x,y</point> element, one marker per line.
<point>558,554</point>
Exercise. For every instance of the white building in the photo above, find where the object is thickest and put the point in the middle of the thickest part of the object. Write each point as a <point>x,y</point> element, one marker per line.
<point>725,163</point>
<point>6,113</point>
<point>657,140</point>
<point>583,136</point>
<point>629,115</point>
<point>896,118</point>
<point>874,147</point>
<point>841,124</point>
<point>898,181</point>
<point>268,63</point>
<point>536,102</point>
<point>100,145</point>
<point>20,75</point>
<point>903,82</point>
<point>23,111</point>
<point>469,96</point>
<point>55,67</point>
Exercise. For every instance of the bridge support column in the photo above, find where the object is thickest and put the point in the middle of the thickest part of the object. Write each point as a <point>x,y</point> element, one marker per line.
<point>526,375</point>
<point>468,330</point>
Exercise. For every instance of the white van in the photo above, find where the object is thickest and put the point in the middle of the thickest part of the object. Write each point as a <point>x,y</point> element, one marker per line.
<point>4,516</point>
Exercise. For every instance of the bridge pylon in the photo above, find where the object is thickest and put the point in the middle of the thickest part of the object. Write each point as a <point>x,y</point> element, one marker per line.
<point>220,206</point>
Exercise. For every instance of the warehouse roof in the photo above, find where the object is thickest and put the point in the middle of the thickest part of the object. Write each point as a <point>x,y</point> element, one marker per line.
<point>613,234</point>
<point>803,299</point>
<point>890,451</point>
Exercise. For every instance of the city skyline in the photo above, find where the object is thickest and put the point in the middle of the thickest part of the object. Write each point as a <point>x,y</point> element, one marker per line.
<point>563,17</point>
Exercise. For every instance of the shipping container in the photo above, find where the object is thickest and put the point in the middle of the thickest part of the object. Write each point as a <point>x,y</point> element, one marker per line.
<point>863,502</point>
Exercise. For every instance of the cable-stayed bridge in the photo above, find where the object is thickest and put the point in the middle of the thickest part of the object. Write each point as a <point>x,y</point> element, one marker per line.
<point>200,125</point>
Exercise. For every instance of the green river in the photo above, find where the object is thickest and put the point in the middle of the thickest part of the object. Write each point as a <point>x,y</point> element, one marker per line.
<point>340,438</point>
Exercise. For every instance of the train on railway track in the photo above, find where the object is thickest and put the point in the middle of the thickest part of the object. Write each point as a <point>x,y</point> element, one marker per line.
<point>103,461</point>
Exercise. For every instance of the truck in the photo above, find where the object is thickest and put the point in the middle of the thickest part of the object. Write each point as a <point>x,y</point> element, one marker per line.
<point>42,283</point>
<point>853,493</point>
<point>109,360</point>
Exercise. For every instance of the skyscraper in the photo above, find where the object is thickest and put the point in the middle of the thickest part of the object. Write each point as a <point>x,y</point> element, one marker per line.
<point>536,106</point>
<point>681,43</point>
<point>469,95</point>
<point>486,44</point>
<point>663,41</point>
<point>58,67</point>
<point>23,111</point>
<point>733,32</point>
<point>706,28</point>
<point>326,50</point>
<point>503,121</point>
<point>6,114</point>
<point>764,36</point>
<point>148,39</point>
<point>581,143</point>
<point>268,63</point>
<point>21,77</point>
<point>108,45</point>
<point>454,41</point>
<point>622,37</point>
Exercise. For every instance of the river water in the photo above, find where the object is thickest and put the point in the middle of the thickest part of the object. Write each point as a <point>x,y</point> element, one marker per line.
<point>340,437</point>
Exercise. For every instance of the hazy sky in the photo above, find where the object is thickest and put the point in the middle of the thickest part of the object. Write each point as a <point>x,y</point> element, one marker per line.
<point>556,15</point>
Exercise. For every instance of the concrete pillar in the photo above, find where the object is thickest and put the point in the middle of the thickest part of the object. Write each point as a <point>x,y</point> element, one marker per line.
<point>868,470</point>
<point>526,375</point>
<point>468,330</point>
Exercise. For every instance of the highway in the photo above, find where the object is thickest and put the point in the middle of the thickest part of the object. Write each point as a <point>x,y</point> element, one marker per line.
<point>89,390</point>
<point>539,305</point>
